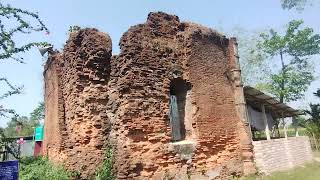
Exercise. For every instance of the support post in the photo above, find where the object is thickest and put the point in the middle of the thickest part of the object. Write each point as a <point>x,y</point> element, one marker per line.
<point>315,141</point>
<point>249,120</point>
<point>265,120</point>
<point>284,126</point>
<point>295,126</point>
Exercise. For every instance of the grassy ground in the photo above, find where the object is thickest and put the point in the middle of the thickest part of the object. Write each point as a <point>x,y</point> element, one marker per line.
<point>309,171</point>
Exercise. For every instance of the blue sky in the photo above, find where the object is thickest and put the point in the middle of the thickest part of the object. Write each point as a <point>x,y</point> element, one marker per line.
<point>115,17</point>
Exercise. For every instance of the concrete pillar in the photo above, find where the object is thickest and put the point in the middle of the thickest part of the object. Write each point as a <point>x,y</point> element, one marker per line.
<point>284,126</point>
<point>249,120</point>
<point>295,126</point>
<point>265,120</point>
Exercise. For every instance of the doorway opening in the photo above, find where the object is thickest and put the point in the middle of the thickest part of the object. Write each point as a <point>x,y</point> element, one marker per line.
<point>178,93</point>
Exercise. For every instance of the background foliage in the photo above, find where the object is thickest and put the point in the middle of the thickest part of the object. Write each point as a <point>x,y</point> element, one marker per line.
<point>312,121</point>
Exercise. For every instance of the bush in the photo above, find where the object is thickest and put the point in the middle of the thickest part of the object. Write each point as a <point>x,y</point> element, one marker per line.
<point>39,168</point>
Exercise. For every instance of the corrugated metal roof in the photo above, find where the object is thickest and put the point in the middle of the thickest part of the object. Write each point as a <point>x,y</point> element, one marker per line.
<point>256,98</point>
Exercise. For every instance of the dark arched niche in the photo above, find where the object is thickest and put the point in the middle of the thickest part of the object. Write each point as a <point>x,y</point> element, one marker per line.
<point>178,93</point>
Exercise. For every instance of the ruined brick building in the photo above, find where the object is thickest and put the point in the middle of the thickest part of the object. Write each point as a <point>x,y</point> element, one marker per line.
<point>170,104</point>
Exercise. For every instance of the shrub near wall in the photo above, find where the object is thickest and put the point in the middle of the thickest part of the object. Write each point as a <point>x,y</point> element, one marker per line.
<point>40,168</point>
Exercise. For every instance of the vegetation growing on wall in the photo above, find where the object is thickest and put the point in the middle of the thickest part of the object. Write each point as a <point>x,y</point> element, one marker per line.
<point>105,171</point>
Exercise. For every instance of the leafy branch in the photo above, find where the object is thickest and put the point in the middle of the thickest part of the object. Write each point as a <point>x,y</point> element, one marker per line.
<point>15,21</point>
<point>13,91</point>
<point>19,18</point>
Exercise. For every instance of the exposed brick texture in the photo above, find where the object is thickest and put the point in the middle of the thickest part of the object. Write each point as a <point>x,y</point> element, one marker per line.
<point>93,99</point>
<point>76,124</point>
<point>282,154</point>
<point>54,110</point>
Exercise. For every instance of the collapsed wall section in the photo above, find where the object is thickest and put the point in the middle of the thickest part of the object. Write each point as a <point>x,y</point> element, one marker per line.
<point>79,102</point>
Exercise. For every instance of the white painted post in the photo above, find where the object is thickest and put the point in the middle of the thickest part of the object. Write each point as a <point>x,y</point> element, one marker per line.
<point>284,127</point>
<point>295,127</point>
<point>249,122</point>
<point>265,120</point>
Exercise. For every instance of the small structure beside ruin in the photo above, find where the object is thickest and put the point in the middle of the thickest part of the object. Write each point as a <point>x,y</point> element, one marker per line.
<point>272,152</point>
<point>170,105</point>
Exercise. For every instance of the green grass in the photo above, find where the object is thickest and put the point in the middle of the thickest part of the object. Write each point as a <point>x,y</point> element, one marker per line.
<point>309,171</point>
<point>306,172</point>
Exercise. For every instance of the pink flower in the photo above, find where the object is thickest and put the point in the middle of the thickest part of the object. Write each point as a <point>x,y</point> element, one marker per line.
<point>21,141</point>
<point>47,33</point>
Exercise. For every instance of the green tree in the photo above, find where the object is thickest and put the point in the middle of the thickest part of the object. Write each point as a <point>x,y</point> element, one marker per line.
<point>37,115</point>
<point>26,124</point>
<point>26,127</point>
<point>293,49</point>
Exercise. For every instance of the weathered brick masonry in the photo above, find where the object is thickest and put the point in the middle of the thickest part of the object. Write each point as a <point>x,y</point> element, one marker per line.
<point>76,125</point>
<point>93,99</point>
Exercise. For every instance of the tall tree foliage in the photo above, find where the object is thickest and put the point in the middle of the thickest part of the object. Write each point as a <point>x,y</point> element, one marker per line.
<point>292,50</point>
<point>15,22</point>
<point>25,123</point>
<point>37,115</point>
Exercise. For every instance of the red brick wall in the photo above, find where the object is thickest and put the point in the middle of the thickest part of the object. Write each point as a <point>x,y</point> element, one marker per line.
<point>54,111</point>
<point>76,123</point>
<point>152,54</point>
